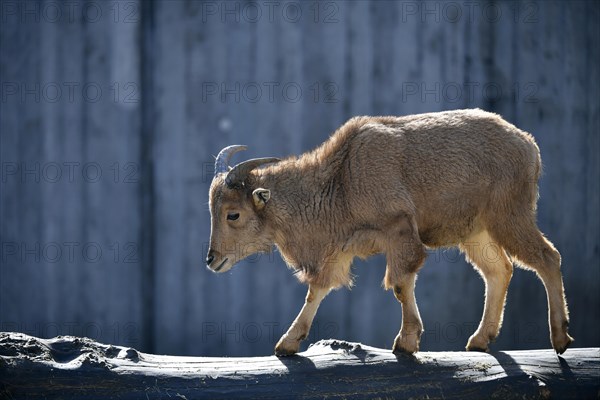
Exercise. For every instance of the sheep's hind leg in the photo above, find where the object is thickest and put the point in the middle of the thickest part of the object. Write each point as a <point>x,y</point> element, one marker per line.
<point>298,331</point>
<point>524,242</point>
<point>401,275</point>
<point>496,269</point>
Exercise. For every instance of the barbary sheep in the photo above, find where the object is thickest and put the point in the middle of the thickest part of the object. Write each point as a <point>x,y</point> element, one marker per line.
<point>393,185</point>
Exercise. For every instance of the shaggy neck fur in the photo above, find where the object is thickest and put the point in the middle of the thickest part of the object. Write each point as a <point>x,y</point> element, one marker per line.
<point>308,195</point>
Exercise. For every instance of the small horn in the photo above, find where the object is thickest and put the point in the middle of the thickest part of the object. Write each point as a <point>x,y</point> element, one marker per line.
<point>222,160</point>
<point>239,173</point>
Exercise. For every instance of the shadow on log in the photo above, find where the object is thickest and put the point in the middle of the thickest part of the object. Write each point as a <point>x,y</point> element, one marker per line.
<point>72,367</point>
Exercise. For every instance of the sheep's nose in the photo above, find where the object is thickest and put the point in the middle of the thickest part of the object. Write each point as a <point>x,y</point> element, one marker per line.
<point>210,258</point>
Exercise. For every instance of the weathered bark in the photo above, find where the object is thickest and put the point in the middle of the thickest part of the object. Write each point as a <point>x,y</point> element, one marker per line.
<point>73,367</point>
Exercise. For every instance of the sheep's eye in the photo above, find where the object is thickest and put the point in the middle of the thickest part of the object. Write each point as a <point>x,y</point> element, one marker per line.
<point>233,216</point>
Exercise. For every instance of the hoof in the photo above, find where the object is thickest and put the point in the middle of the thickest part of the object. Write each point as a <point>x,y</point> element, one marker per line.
<point>405,346</point>
<point>286,348</point>
<point>561,344</point>
<point>475,343</point>
<point>476,348</point>
<point>284,352</point>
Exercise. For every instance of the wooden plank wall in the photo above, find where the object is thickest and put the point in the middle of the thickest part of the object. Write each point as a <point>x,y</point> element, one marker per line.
<point>112,113</point>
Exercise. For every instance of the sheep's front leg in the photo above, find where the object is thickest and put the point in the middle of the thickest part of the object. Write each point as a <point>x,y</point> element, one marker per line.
<point>405,258</point>
<point>409,337</point>
<point>290,341</point>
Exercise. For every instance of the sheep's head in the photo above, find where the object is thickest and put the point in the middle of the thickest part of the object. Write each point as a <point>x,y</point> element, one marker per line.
<point>237,227</point>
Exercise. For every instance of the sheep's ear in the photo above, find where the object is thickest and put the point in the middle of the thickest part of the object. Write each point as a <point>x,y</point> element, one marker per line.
<point>260,197</point>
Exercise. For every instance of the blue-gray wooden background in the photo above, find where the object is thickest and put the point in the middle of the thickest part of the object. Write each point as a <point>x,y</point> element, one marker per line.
<point>111,113</point>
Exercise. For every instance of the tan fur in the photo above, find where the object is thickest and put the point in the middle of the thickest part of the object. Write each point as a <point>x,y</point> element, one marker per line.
<point>397,185</point>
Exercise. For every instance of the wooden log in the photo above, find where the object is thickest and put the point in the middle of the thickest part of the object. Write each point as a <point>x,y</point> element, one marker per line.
<point>71,367</point>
